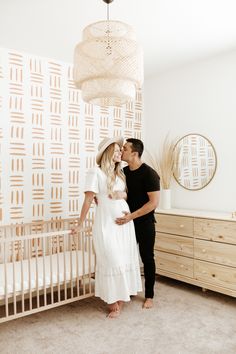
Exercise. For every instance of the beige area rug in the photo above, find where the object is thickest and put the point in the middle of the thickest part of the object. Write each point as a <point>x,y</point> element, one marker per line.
<point>184,321</point>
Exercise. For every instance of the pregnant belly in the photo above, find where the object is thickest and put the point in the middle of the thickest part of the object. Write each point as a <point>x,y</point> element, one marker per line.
<point>113,208</point>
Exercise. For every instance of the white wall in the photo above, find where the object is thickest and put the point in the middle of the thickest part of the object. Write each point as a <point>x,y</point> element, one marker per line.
<point>198,98</point>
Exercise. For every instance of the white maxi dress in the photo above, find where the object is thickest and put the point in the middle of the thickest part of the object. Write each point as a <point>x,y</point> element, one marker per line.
<point>117,274</point>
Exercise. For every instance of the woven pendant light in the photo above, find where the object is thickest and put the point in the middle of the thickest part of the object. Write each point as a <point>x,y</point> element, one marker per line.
<point>108,63</point>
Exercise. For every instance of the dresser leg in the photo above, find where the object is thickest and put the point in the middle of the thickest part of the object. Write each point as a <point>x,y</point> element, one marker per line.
<point>204,290</point>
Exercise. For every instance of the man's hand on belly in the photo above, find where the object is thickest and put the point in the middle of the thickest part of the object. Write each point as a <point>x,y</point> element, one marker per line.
<point>124,219</point>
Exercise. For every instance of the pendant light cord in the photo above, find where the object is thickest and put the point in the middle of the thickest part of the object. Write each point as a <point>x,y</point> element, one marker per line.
<point>108,48</point>
<point>108,18</point>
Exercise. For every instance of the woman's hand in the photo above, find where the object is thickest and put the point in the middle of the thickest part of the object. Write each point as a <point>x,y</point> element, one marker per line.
<point>76,229</point>
<point>118,195</point>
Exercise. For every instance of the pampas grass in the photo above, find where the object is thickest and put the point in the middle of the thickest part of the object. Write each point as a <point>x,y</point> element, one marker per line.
<point>165,161</point>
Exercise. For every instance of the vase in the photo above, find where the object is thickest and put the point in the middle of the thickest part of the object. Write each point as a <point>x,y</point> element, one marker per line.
<point>166,199</point>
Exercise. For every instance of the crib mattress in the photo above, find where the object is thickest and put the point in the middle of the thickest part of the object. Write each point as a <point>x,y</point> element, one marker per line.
<point>44,271</point>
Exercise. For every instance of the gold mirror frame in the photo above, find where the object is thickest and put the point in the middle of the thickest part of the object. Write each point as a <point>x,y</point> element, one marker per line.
<point>197,162</point>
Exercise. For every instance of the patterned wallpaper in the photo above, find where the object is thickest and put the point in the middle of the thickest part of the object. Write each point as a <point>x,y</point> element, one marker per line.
<point>49,137</point>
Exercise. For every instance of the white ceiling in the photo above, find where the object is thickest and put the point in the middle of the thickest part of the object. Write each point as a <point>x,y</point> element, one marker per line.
<point>172,32</point>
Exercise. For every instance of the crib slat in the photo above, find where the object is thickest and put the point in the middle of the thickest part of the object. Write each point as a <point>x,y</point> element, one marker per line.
<point>29,273</point>
<point>37,272</point>
<point>44,274</point>
<point>14,278</point>
<point>22,283</point>
<point>58,270</point>
<point>22,288</point>
<point>71,269</point>
<point>64,257</point>
<point>89,262</point>
<point>6,282</point>
<point>83,262</point>
<point>51,270</point>
<point>76,237</point>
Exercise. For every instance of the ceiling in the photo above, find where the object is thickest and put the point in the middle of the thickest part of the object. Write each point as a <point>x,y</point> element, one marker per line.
<point>172,32</point>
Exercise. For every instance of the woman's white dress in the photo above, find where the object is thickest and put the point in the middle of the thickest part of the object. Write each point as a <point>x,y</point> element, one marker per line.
<point>117,263</point>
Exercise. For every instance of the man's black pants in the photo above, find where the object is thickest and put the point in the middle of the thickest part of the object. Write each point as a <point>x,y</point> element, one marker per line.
<point>145,235</point>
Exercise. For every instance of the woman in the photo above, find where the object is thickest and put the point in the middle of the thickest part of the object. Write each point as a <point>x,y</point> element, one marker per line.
<point>117,273</point>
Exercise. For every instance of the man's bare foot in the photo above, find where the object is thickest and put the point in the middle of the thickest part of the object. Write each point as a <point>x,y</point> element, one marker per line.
<point>114,310</point>
<point>148,303</point>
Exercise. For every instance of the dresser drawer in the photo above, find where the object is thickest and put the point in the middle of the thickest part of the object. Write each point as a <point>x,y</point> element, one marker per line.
<point>174,264</point>
<point>179,245</point>
<point>215,230</point>
<point>215,274</point>
<point>216,252</point>
<point>172,224</point>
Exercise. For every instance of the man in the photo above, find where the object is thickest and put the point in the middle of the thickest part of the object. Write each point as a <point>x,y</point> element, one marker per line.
<point>143,185</point>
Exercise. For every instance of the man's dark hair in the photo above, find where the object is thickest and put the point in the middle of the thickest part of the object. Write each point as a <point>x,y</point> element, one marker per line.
<point>137,145</point>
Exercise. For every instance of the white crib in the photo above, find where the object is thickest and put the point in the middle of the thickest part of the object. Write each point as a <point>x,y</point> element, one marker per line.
<point>43,266</point>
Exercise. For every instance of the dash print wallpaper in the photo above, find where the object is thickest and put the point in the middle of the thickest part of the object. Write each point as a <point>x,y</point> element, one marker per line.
<point>49,137</point>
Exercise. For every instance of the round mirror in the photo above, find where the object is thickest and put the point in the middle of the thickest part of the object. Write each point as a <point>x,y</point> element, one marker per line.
<point>196,163</point>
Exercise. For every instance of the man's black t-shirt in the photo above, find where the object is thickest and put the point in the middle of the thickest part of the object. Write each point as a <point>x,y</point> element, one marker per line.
<point>140,181</point>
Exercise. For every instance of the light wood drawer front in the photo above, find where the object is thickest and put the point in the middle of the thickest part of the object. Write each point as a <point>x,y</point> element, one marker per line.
<point>215,274</point>
<point>215,230</point>
<point>174,264</point>
<point>216,252</point>
<point>172,224</point>
<point>182,246</point>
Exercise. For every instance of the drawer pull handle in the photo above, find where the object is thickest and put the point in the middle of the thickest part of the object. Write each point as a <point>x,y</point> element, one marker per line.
<point>204,272</point>
<point>181,265</point>
<point>181,226</point>
<point>204,251</point>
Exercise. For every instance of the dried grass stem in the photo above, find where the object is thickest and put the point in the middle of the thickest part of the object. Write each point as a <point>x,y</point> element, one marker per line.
<point>165,161</point>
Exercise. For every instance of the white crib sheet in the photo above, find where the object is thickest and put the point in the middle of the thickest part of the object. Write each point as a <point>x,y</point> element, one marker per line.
<point>47,273</point>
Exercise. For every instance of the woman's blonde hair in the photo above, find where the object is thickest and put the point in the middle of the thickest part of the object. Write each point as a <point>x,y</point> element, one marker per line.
<point>111,168</point>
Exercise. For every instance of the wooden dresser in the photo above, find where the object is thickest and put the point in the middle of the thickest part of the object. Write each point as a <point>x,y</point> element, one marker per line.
<point>198,248</point>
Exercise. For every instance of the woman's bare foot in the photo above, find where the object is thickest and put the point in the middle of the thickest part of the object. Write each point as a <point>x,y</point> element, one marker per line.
<point>120,303</point>
<point>114,310</point>
<point>148,303</point>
